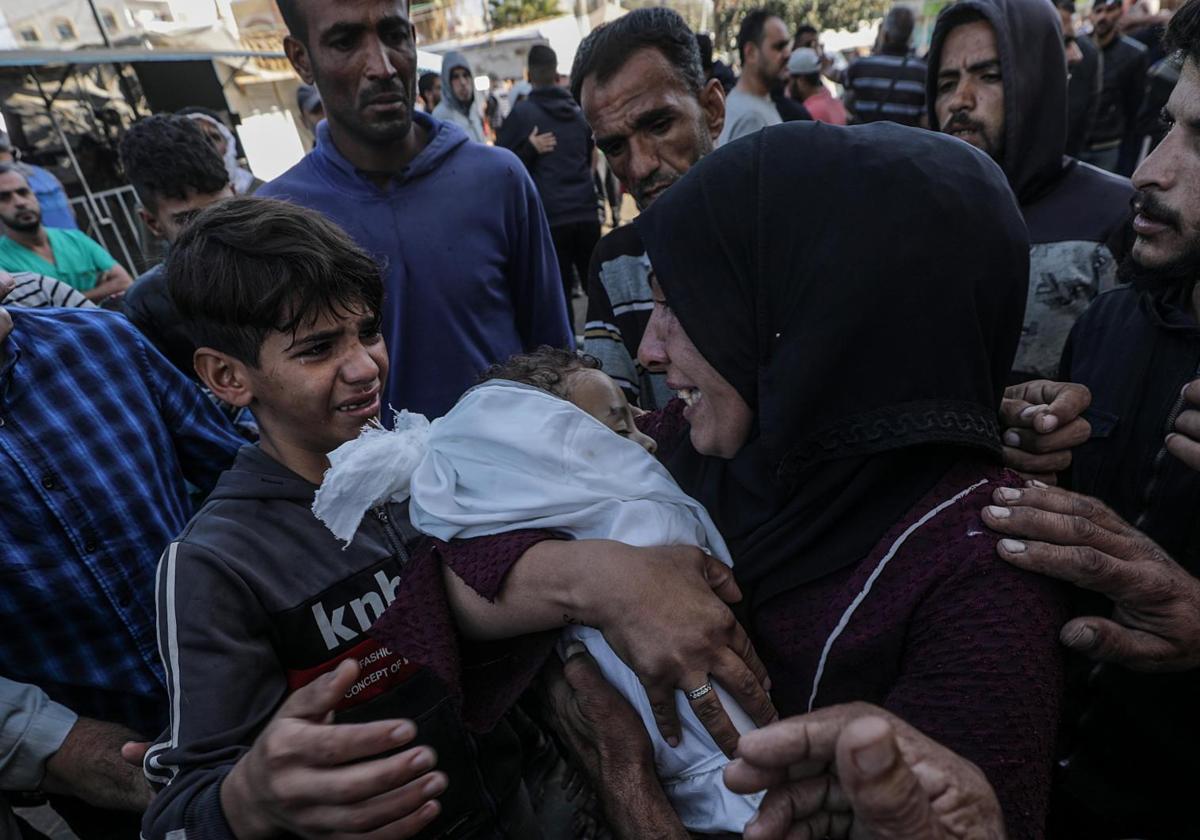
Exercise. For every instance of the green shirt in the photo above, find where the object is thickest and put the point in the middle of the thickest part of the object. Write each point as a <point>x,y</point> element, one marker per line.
<point>78,261</point>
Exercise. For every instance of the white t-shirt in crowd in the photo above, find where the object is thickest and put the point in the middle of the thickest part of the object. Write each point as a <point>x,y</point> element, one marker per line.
<point>745,114</point>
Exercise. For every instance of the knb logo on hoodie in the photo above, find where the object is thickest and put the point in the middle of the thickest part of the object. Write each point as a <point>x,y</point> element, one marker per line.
<point>361,612</point>
<point>319,634</point>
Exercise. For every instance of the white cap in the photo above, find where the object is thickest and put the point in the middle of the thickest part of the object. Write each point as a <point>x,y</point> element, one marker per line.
<point>804,62</point>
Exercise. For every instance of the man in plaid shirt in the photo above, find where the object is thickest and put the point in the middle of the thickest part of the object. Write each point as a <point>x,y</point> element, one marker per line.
<point>100,437</point>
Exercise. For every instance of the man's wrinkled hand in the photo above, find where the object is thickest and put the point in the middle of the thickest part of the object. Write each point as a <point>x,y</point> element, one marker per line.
<point>1184,441</point>
<point>1042,421</point>
<point>1155,624</point>
<point>306,775</point>
<point>857,771</point>
<point>592,718</point>
<point>90,765</point>
<point>665,614</point>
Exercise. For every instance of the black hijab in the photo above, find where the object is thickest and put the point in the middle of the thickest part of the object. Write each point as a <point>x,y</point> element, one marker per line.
<point>863,289</point>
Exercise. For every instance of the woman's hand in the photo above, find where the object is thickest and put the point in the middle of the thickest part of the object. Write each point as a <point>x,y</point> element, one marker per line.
<point>664,611</point>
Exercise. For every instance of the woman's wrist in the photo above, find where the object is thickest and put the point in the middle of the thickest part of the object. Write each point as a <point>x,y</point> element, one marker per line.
<point>595,583</point>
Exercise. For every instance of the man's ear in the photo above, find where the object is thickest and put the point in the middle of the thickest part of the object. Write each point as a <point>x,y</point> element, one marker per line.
<point>712,101</point>
<point>750,55</point>
<point>224,375</point>
<point>297,53</point>
<point>151,222</point>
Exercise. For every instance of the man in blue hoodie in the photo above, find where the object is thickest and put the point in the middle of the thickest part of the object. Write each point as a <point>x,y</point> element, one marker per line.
<point>470,271</point>
<point>561,168</point>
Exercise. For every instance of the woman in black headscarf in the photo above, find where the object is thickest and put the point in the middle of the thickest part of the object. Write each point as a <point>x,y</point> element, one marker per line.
<point>839,309</point>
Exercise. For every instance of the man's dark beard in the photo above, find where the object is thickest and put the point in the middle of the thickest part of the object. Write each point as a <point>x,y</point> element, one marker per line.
<point>23,227</point>
<point>1180,274</point>
<point>1176,278</point>
<point>959,119</point>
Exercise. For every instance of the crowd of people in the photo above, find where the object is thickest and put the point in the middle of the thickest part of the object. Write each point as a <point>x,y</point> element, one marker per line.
<point>859,510</point>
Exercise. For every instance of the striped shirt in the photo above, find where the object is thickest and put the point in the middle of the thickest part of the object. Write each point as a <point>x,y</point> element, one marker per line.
<point>38,291</point>
<point>887,87</point>
<point>618,310</point>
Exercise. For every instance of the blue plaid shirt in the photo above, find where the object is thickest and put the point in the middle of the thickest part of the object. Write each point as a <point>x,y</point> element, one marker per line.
<point>97,435</point>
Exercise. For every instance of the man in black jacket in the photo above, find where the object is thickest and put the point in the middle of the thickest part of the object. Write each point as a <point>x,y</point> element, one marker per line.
<point>1130,762</point>
<point>998,80</point>
<point>1110,144</point>
<point>560,163</point>
<point>1085,71</point>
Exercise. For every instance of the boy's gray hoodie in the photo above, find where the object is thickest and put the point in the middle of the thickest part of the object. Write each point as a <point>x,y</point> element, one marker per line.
<point>255,599</point>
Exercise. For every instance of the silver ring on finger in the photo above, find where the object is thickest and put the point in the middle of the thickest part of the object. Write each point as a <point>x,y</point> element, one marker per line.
<point>697,693</point>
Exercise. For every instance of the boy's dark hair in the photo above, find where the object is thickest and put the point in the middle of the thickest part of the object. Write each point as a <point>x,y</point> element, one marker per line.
<point>1183,31</point>
<point>249,266</point>
<point>546,368</point>
<point>164,155</point>
<point>425,82</point>
<point>751,30</point>
<point>1066,5</point>
<point>604,52</point>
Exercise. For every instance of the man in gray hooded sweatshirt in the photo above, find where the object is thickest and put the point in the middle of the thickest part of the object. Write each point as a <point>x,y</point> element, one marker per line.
<point>998,80</point>
<point>458,96</point>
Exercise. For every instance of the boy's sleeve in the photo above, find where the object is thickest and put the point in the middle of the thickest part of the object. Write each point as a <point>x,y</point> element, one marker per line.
<point>224,682</point>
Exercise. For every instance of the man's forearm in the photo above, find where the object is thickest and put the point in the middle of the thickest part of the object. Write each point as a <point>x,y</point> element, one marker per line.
<point>636,807</point>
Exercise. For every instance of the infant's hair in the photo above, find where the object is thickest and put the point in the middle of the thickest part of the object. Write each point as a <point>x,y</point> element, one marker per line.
<point>546,368</point>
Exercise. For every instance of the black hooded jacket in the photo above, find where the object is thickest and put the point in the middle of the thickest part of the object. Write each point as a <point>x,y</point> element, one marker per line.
<point>1130,763</point>
<point>1076,214</point>
<point>563,176</point>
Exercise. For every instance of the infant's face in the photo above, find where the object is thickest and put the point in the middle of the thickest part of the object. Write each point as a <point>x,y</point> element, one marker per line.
<point>595,392</point>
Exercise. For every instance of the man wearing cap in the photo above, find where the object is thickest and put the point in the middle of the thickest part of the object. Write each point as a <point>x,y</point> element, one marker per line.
<point>998,80</point>
<point>56,209</point>
<point>804,85</point>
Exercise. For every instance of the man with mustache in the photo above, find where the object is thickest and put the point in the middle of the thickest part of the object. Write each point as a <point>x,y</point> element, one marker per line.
<point>67,255</point>
<point>764,47</point>
<point>470,271</point>
<point>998,80</point>
<point>1134,356</point>
<point>643,91</point>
